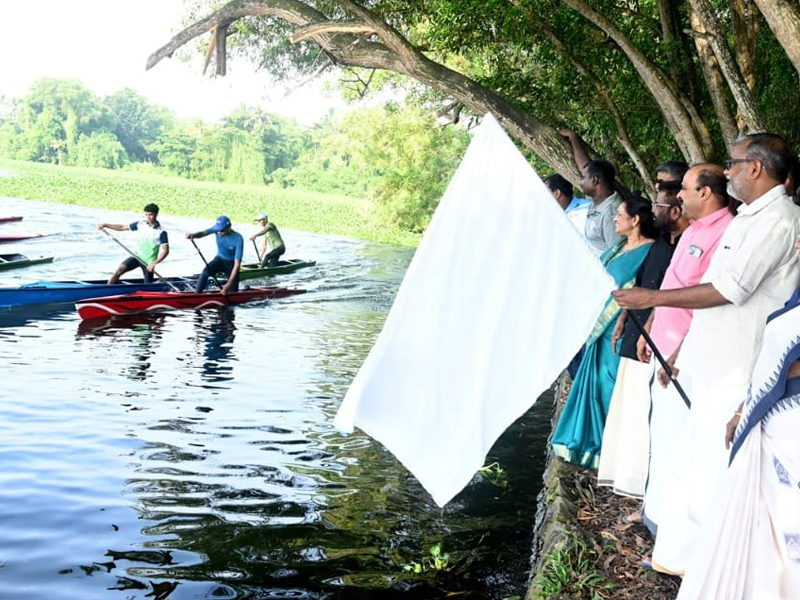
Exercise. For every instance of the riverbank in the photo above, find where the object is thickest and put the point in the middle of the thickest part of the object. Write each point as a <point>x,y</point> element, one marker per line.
<point>129,190</point>
<point>583,547</point>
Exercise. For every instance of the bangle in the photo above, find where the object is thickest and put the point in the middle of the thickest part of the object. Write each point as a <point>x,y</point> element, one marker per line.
<point>738,413</point>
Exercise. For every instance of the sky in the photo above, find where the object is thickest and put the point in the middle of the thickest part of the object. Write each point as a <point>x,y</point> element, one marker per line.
<point>105,45</point>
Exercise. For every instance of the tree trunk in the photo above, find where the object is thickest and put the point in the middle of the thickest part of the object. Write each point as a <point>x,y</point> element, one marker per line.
<point>748,109</point>
<point>714,82</point>
<point>695,146</point>
<point>622,131</point>
<point>746,24</point>
<point>783,18</point>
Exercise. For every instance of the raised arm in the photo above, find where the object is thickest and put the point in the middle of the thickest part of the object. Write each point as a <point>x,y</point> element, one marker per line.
<point>579,154</point>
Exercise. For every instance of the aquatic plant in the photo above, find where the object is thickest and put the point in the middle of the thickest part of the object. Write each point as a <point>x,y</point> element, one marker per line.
<point>436,561</point>
<point>495,474</point>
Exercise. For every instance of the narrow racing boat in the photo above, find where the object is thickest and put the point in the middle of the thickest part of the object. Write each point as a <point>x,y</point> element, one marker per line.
<point>59,292</point>
<point>255,270</point>
<point>98,308</point>
<point>10,219</point>
<point>17,261</point>
<point>5,239</point>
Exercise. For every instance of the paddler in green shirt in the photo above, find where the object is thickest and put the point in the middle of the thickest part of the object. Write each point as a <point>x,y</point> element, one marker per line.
<point>153,246</point>
<point>272,239</point>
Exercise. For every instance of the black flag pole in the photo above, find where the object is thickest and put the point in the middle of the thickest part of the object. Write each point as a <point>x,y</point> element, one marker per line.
<point>658,356</point>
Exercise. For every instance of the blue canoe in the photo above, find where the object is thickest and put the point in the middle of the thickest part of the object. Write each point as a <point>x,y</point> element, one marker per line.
<point>60,292</point>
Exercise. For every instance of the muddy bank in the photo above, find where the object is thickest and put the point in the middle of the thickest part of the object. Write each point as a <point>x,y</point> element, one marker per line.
<point>584,547</point>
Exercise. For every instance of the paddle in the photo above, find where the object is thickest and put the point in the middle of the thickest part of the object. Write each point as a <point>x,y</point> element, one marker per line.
<point>659,357</point>
<point>219,285</point>
<point>258,256</point>
<point>141,262</point>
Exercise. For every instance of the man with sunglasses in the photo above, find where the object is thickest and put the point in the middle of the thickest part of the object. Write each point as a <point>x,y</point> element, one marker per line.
<point>751,274</point>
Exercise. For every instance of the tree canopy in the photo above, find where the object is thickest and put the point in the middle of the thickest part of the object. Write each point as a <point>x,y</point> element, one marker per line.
<point>642,80</point>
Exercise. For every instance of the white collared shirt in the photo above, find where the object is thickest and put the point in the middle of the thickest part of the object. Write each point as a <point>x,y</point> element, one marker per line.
<point>756,268</point>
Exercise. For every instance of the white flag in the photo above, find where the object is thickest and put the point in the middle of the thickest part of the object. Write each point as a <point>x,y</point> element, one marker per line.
<point>501,293</point>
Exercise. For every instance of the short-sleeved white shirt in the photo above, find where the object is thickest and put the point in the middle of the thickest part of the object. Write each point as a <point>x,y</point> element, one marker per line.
<point>756,268</point>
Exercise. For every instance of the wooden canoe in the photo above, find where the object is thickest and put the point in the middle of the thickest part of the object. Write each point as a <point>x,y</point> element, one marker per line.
<point>10,219</point>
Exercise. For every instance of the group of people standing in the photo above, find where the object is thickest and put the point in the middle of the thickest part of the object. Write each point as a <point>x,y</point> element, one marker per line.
<point>709,441</point>
<point>153,248</point>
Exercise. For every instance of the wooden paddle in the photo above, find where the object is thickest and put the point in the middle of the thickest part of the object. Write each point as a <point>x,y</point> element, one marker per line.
<point>258,256</point>
<point>141,262</point>
<point>219,285</point>
<point>659,357</point>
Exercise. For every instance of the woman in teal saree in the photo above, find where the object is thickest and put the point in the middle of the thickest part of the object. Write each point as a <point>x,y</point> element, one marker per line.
<point>578,436</point>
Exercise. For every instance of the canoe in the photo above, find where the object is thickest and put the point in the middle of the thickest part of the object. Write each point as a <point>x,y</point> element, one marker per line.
<point>9,219</point>
<point>99,308</point>
<point>4,239</point>
<point>58,292</point>
<point>254,270</point>
<point>17,261</point>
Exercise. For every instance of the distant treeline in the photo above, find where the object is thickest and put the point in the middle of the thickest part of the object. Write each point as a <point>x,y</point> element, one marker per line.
<point>397,156</point>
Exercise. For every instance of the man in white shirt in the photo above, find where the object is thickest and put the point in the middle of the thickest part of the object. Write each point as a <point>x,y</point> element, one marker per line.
<point>751,274</point>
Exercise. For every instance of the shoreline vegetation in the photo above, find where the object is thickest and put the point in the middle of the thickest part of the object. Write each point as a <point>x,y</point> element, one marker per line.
<point>108,189</point>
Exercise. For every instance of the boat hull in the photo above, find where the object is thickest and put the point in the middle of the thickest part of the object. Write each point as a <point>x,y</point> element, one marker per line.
<point>10,219</point>
<point>18,261</point>
<point>137,302</point>
<point>254,270</point>
<point>7,239</point>
<point>62,292</point>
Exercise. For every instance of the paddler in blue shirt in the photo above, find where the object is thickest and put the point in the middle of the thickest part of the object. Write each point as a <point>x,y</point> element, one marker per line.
<point>230,248</point>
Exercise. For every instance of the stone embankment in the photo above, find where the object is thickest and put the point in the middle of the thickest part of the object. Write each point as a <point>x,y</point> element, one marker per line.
<point>584,546</point>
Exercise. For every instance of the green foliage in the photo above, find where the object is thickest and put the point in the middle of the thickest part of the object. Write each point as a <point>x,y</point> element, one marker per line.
<point>99,149</point>
<point>572,571</point>
<point>435,561</point>
<point>138,124</point>
<point>400,157</point>
<point>495,474</point>
<point>129,190</point>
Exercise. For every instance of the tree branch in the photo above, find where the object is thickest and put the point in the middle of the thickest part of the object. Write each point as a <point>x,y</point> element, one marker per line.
<point>393,53</point>
<point>353,27</point>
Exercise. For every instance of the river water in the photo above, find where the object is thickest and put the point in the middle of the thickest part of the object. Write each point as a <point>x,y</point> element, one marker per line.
<point>192,454</point>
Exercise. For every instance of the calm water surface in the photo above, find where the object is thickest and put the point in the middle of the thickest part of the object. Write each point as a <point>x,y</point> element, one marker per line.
<point>192,454</point>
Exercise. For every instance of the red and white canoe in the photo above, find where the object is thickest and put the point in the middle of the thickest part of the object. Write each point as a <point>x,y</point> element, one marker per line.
<point>10,219</point>
<point>98,308</point>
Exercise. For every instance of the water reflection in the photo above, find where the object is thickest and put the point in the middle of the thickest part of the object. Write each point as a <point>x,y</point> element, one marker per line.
<point>142,331</point>
<point>215,332</point>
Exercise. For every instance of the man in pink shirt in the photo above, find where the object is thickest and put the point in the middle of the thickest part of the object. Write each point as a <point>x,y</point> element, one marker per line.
<point>705,203</point>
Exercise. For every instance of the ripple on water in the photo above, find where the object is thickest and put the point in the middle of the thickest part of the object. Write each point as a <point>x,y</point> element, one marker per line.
<point>192,454</point>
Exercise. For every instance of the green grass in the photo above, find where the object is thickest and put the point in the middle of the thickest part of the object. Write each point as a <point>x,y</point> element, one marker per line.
<point>128,190</point>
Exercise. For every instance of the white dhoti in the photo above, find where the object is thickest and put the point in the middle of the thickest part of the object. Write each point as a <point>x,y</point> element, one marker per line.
<point>701,460</point>
<point>668,414</point>
<point>623,458</point>
<point>749,545</point>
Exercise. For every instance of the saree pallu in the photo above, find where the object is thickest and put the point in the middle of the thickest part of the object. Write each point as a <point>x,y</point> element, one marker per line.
<point>578,436</point>
<point>749,544</point>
